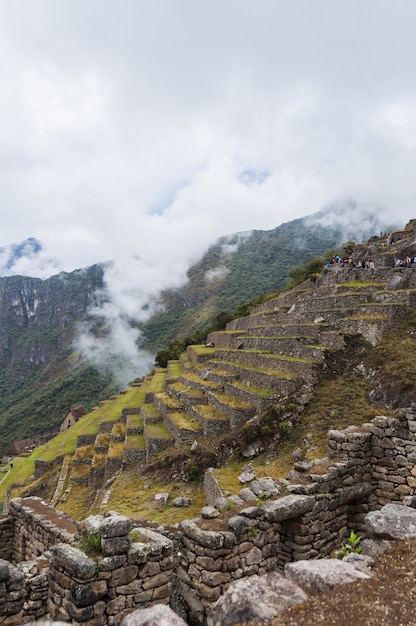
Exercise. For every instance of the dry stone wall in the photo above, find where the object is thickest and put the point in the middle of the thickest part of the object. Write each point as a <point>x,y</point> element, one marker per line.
<point>137,567</point>
<point>37,528</point>
<point>128,574</point>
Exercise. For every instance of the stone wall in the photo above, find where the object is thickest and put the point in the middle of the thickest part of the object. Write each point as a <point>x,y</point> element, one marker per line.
<point>6,537</point>
<point>367,467</point>
<point>133,570</point>
<point>37,528</point>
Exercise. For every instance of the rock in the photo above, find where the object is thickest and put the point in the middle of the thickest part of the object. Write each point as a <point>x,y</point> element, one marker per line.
<point>253,449</point>
<point>75,562</point>
<point>297,455</point>
<point>246,477</point>
<point>360,561</point>
<point>46,623</point>
<point>393,521</point>
<point>287,507</point>
<point>303,466</point>
<point>239,524</point>
<point>247,495</point>
<point>292,475</point>
<point>158,615</point>
<point>375,547</point>
<point>182,501</point>
<point>269,487</point>
<point>323,574</point>
<point>160,500</point>
<point>115,526</point>
<point>92,523</point>
<point>256,599</point>
<point>209,512</point>
<point>256,487</point>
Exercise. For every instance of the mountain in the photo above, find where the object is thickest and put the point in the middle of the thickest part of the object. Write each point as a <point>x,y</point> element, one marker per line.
<point>11,254</point>
<point>41,373</point>
<point>243,266</point>
<point>40,378</point>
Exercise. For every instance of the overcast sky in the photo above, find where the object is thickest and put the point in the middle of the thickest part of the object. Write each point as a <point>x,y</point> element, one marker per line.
<point>150,128</point>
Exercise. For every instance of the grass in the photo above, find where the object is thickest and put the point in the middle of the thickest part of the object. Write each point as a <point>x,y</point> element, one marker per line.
<point>116,449</point>
<point>102,440</point>
<point>185,421</point>
<point>134,421</point>
<point>203,351</point>
<point>158,431</point>
<point>210,413</point>
<point>77,506</point>
<point>131,496</point>
<point>84,452</point>
<point>232,401</point>
<point>99,460</point>
<point>157,382</point>
<point>135,442</point>
<point>151,410</point>
<point>174,369</point>
<point>118,430</point>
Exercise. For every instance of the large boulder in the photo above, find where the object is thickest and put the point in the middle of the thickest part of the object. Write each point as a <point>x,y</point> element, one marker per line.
<point>256,598</point>
<point>393,521</point>
<point>323,574</point>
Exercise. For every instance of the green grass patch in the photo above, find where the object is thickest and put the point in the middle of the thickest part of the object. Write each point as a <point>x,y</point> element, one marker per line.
<point>131,496</point>
<point>158,431</point>
<point>185,421</point>
<point>203,350</point>
<point>157,382</point>
<point>135,442</point>
<point>134,421</point>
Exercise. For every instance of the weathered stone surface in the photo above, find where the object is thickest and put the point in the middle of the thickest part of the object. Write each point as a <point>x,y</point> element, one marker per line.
<point>182,501</point>
<point>160,500</point>
<point>75,562</point>
<point>115,526</point>
<point>247,495</point>
<point>256,598</point>
<point>213,540</point>
<point>84,595</point>
<point>115,545</point>
<point>4,570</point>
<point>287,507</point>
<point>158,615</point>
<point>393,521</point>
<point>323,574</point>
<point>209,512</point>
<point>123,576</point>
<point>139,553</point>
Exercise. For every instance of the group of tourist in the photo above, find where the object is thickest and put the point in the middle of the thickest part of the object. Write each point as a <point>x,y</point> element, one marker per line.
<point>348,262</point>
<point>408,262</point>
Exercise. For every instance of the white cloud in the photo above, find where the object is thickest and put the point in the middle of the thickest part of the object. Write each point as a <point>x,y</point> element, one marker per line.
<point>152,128</point>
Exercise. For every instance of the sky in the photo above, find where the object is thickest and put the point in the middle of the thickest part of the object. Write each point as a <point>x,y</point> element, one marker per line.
<point>145,130</point>
<point>130,127</point>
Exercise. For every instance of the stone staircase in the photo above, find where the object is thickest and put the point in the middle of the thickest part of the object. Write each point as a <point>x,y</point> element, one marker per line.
<point>272,356</point>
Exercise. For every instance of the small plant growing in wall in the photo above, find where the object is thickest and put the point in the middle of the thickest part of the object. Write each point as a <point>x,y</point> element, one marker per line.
<point>91,542</point>
<point>351,546</point>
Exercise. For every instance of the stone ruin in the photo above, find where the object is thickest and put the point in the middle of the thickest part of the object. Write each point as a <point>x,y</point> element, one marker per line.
<point>46,570</point>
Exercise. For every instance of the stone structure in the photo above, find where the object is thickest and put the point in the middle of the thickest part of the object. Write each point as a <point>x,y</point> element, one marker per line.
<point>72,417</point>
<point>369,467</point>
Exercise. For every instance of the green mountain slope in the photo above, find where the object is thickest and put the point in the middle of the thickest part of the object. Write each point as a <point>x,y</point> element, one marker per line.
<point>40,378</point>
<point>244,266</point>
